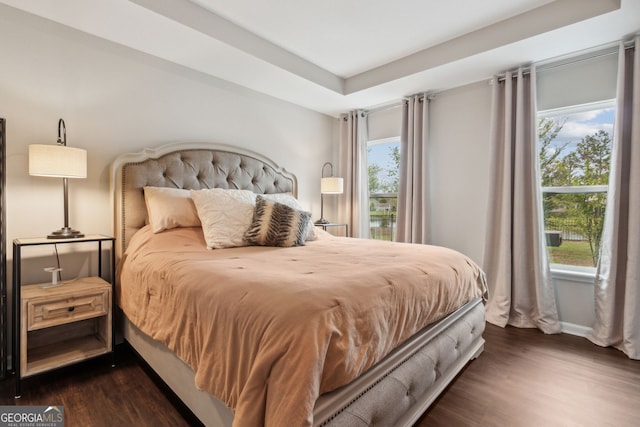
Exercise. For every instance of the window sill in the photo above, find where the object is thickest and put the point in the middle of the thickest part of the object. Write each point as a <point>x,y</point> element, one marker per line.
<point>573,273</point>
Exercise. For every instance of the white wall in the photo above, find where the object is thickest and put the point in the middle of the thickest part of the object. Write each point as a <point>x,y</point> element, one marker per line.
<point>459,162</point>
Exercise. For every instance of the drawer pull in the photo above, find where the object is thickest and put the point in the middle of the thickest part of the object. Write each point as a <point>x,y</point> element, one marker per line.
<point>71,308</point>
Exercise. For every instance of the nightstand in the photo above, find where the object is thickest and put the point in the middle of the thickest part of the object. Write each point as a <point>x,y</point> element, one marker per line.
<point>330,224</point>
<point>61,325</point>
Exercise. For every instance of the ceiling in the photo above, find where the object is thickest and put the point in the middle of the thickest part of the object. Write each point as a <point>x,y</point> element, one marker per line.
<point>333,56</point>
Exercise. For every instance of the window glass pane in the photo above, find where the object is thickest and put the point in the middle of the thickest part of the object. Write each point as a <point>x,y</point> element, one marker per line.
<point>383,165</point>
<point>575,155</point>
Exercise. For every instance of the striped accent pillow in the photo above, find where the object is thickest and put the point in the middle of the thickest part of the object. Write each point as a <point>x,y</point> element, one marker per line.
<point>276,224</point>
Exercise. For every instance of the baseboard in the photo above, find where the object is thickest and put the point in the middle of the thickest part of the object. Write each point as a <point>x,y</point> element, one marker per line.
<point>573,329</point>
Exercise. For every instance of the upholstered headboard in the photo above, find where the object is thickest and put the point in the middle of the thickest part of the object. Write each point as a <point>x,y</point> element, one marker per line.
<point>188,166</point>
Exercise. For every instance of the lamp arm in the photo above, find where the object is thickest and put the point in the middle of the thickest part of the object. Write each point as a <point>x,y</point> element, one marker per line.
<point>323,221</point>
<point>63,127</point>
<point>323,166</point>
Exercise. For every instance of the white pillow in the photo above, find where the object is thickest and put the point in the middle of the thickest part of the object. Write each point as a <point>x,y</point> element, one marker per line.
<point>292,202</point>
<point>170,208</point>
<point>225,215</point>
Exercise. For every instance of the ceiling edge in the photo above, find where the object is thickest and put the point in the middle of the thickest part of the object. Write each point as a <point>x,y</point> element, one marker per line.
<point>210,24</point>
<point>557,14</point>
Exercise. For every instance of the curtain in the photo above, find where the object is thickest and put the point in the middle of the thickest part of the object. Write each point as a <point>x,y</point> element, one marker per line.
<point>354,201</point>
<point>413,191</point>
<point>617,288</point>
<point>515,260</point>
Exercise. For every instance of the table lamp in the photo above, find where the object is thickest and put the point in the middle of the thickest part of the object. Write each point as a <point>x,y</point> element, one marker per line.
<point>59,161</point>
<point>328,185</point>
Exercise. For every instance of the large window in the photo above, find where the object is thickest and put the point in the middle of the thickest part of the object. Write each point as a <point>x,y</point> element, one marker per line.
<point>575,155</point>
<point>383,166</point>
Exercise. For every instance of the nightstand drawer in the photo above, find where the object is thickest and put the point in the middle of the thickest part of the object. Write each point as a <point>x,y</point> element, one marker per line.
<point>65,309</point>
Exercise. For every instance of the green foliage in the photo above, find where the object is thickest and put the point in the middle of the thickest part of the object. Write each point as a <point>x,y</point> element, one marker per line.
<point>374,182</point>
<point>392,170</point>
<point>550,164</point>
<point>553,171</point>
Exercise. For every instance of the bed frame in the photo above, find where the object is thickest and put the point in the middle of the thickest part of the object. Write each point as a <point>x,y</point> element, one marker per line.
<point>396,391</point>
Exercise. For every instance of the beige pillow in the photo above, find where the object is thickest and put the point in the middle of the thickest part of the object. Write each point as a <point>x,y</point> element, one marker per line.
<point>225,215</point>
<point>170,208</point>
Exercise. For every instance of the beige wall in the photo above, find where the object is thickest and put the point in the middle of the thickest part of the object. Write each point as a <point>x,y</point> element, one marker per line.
<point>459,162</point>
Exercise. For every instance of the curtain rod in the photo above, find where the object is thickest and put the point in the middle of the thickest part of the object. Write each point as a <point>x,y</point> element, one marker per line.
<point>429,96</point>
<point>396,104</point>
<point>543,66</point>
<point>551,64</point>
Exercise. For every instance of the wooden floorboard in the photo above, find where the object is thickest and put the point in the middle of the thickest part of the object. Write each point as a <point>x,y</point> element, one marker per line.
<point>96,395</point>
<point>526,378</point>
<point>523,378</point>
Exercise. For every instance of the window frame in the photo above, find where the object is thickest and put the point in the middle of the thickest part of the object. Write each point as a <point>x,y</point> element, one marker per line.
<point>574,273</point>
<point>372,143</point>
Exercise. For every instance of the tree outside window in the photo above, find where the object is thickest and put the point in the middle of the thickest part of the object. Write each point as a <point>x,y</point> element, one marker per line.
<point>383,166</point>
<point>575,157</point>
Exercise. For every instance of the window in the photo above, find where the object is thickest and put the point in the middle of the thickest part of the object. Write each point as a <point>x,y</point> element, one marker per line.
<point>383,166</point>
<point>575,154</point>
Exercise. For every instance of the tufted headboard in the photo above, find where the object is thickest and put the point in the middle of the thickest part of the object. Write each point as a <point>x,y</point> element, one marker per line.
<point>188,166</point>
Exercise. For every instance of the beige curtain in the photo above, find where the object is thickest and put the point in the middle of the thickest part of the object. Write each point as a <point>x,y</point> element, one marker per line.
<point>515,260</point>
<point>617,290</point>
<point>413,192</point>
<point>354,202</point>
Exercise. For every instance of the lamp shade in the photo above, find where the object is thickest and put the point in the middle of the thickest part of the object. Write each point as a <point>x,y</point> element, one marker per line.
<point>58,161</point>
<point>331,185</point>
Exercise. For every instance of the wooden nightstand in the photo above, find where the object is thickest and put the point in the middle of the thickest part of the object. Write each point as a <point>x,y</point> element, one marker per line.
<point>58,326</point>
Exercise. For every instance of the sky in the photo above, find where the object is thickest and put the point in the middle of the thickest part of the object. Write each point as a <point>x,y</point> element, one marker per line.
<point>380,154</point>
<point>581,124</point>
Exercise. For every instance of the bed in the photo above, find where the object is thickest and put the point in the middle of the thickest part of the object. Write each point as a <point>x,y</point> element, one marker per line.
<point>341,354</point>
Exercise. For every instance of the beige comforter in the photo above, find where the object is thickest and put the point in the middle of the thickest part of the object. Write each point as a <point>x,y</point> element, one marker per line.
<point>267,330</point>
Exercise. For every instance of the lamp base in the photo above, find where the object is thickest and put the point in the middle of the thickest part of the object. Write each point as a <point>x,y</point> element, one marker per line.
<point>65,233</point>
<point>322,221</point>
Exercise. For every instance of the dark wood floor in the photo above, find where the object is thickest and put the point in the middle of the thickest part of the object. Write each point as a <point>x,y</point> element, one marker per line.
<point>523,378</point>
<point>96,395</point>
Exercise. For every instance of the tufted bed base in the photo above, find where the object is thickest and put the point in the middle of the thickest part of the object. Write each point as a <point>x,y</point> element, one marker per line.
<point>396,391</point>
<point>399,389</point>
